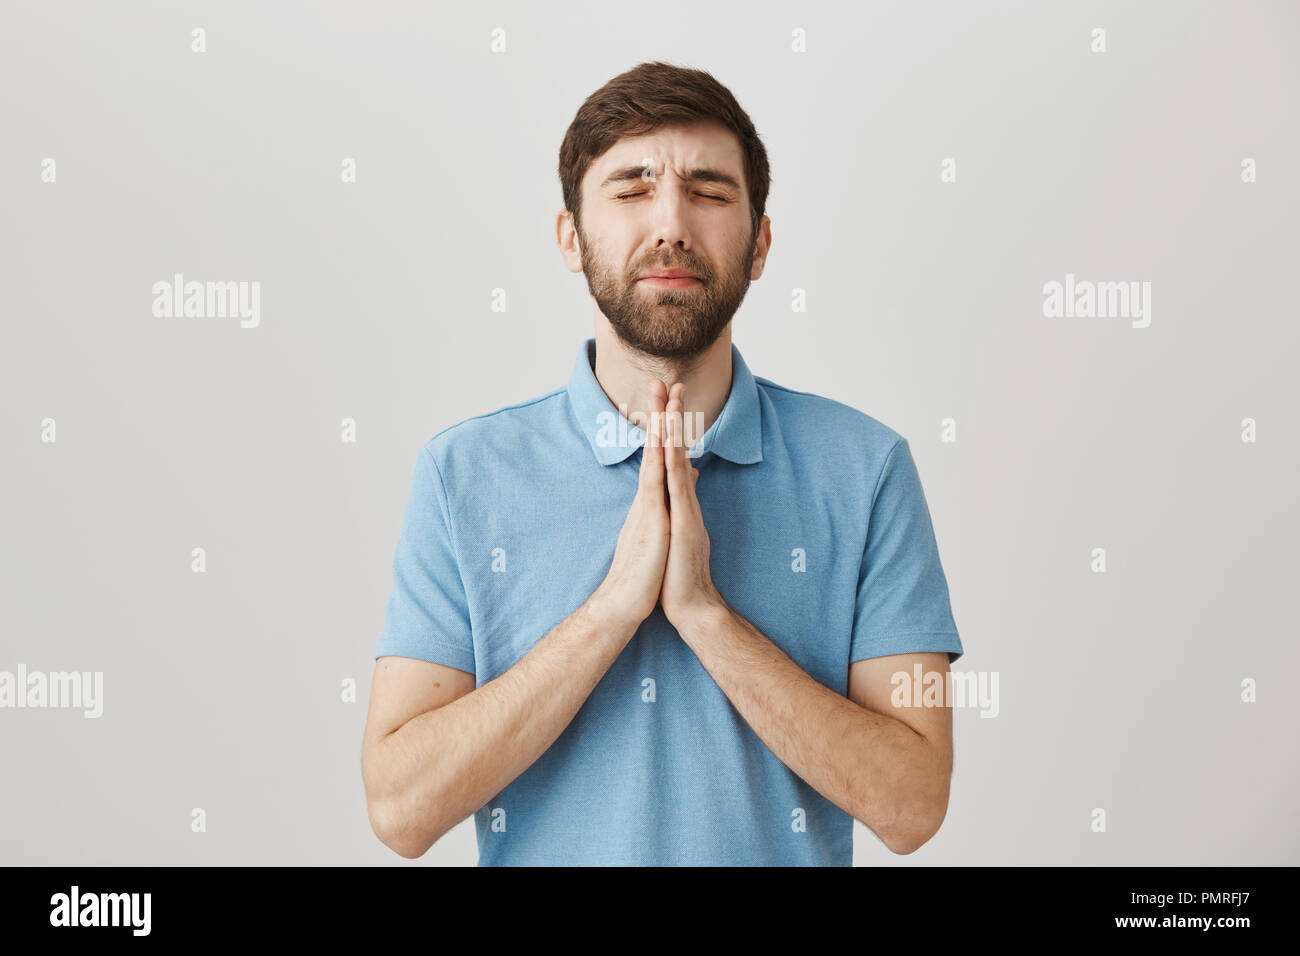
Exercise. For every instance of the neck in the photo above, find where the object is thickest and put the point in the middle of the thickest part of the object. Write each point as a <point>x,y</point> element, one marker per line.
<point>624,374</point>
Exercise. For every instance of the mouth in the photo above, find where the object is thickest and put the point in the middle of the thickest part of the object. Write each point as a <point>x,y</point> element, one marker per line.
<point>669,279</point>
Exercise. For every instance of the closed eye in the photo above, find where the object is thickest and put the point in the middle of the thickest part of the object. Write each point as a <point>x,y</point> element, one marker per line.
<point>643,192</point>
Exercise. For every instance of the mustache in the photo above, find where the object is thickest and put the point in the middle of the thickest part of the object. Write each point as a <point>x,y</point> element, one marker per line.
<point>691,267</point>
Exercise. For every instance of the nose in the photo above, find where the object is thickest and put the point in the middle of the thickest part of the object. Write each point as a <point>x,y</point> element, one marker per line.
<point>670,225</point>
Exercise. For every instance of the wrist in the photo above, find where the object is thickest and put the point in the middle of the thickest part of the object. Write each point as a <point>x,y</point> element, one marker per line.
<point>606,613</point>
<point>702,619</point>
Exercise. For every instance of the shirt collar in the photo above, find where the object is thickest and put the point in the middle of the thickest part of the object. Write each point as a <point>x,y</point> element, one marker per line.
<point>737,435</point>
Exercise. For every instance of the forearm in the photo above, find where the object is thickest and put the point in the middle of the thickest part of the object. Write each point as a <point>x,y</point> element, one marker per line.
<point>443,765</point>
<point>872,766</point>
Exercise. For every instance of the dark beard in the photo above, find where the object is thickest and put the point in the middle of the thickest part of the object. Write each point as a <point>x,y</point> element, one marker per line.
<point>674,324</point>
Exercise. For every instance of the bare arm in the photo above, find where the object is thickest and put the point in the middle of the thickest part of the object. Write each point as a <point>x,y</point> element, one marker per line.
<point>888,765</point>
<point>436,750</point>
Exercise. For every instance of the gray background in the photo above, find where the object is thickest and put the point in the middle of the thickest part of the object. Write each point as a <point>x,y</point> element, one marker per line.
<point>222,690</point>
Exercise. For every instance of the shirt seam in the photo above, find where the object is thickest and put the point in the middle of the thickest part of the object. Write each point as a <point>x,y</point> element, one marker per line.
<point>767,383</point>
<point>871,509</point>
<point>883,468</point>
<point>444,505</point>
<point>505,408</point>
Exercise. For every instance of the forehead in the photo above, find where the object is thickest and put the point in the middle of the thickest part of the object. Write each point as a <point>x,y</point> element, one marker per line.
<point>704,144</point>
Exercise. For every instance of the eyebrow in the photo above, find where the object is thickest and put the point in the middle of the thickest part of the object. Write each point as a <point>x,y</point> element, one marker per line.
<point>701,174</point>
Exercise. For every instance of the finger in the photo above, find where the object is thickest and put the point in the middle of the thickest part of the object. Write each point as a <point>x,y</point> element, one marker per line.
<point>683,460</point>
<point>669,451</point>
<point>688,487</point>
<point>674,453</point>
<point>652,453</point>
<point>689,474</point>
<point>671,411</point>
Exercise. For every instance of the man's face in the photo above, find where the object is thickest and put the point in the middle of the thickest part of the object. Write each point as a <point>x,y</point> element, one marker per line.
<point>674,199</point>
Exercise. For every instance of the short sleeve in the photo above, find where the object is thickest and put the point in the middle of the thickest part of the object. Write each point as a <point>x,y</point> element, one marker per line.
<point>902,602</point>
<point>427,616</point>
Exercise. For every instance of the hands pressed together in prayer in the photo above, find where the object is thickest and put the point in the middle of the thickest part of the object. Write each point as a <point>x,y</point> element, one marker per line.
<point>662,555</point>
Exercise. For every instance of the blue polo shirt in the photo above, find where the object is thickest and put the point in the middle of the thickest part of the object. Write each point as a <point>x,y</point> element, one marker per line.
<point>819,534</point>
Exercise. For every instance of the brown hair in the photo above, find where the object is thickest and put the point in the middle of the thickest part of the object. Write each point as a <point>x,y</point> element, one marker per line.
<point>648,97</point>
